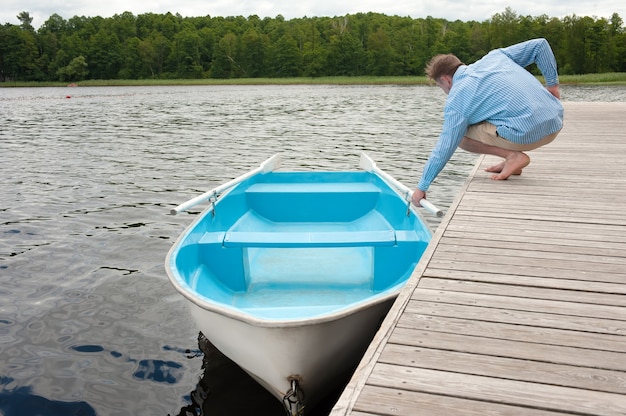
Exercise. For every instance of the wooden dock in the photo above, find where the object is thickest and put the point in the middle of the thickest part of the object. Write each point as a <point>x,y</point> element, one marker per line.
<point>518,307</point>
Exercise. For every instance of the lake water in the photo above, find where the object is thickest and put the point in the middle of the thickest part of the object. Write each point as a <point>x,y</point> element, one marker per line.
<point>89,323</point>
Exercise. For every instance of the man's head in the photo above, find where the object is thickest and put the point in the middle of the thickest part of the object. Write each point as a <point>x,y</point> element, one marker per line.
<point>441,69</point>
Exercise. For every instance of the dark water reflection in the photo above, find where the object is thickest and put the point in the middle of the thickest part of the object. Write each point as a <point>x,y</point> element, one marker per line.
<point>224,389</point>
<point>89,323</point>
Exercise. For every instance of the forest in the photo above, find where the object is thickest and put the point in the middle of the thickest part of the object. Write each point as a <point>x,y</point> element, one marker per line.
<point>170,46</point>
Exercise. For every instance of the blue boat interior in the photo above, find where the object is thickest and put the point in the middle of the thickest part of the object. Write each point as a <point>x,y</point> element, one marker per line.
<point>300,244</point>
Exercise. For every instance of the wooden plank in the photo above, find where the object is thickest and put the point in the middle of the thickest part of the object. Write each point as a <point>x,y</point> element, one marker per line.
<point>520,317</point>
<point>605,199</point>
<point>385,401</point>
<point>537,270</point>
<point>599,288</point>
<point>506,368</point>
<point>542,204</point>
<point>535,251</point>
<point>583,218</point>
<point>537,259</point>
<point>564,187</point>
<point>539,396</point>
<point>504,301</point>
<point>524,349</point>
<point>579,232</point>
<point>531,200</point>
<point>560,207</point>
<point>513,288</point>
<point>524,270</point>
<point>543,240</point>
<point>543,214</point>
<point>601,350</point>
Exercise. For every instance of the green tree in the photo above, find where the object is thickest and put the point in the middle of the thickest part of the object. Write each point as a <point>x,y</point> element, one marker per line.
<point>405,42</point>
<point>574,44</point>
<point>49,41</point>
<point>75,71</point>
<point>617,43</point>
<point>104,55</point>
<point>597,57</point>
<point>168,25</point>
<point>25,21</point>
<point>503,28</point>
<point>206,47</point>
<point>430,39</point>
<point>55,24</point>
<point>18,54</point>
<point>346,55</point>
<point>285,57</point>
<point>314,53</point>
<point>254,51</point>
<point>152,53</point>
<point>186,54</point>
<point>380,53</point>
<point>224,58</point>
<point>457,40</point>
<point>123,25</point>
<point>132,64</point>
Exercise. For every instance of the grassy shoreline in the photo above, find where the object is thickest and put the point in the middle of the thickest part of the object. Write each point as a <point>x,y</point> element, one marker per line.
<point>616,78</point>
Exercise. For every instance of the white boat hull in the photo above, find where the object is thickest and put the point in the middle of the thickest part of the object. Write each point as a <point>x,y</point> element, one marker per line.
<point>320,355</point>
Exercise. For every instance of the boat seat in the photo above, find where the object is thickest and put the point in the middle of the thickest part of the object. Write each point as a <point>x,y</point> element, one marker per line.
<point>312,187</point>
<point>312,202</point>
<point>310,239</point>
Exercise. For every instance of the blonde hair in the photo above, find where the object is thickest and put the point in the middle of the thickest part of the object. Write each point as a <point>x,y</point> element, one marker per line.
<point>442,65</point>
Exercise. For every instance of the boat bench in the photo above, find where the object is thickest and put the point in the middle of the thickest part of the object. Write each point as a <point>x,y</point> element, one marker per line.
<point>312,188</point>
<point>312,202</point>
<point>308,238</point>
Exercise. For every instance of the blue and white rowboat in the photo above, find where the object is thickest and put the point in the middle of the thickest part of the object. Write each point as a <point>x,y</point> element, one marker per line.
<point>289,274</point>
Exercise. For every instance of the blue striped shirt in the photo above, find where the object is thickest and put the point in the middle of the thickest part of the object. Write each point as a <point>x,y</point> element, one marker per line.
<point>499,90</point>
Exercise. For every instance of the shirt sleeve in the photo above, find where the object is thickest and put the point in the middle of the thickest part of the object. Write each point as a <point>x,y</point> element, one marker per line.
<point>535,51</point>
<point>454,128</point>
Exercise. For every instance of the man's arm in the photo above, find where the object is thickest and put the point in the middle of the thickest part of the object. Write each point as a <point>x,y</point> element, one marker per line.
<point>536,51</point>
<point>454,128</point>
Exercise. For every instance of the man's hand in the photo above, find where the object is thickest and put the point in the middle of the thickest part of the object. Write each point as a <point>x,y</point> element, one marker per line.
<point>554,90</point>
<point>417,196</point>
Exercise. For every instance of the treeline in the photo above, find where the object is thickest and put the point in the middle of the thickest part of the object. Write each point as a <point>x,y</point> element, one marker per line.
<point>167,46</point>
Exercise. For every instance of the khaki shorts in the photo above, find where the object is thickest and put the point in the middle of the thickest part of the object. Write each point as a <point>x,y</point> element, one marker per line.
<point>485,132</point>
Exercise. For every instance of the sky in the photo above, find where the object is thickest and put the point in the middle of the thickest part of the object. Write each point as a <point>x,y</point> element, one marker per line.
<point>479,10</point>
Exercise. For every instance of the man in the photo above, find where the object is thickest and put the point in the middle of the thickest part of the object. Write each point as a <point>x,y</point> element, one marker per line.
<point>495,107</point>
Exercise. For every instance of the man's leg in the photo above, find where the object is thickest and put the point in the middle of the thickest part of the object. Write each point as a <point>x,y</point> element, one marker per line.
<point>514,161</point>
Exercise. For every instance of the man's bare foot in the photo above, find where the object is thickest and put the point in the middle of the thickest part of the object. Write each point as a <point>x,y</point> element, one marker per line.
<point>515,162</point>
<point>499,167</point>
